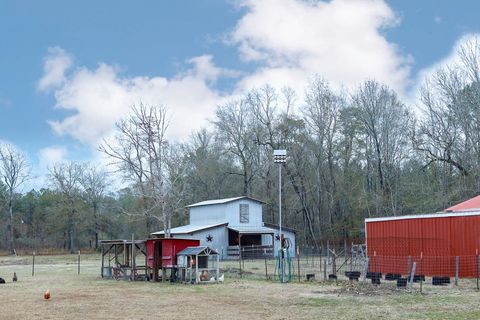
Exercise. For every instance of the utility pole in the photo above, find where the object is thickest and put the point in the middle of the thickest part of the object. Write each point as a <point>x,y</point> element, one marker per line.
<point>280,157</point>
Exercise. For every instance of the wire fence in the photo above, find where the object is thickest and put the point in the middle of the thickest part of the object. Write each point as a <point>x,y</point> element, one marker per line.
<point>352,264</point>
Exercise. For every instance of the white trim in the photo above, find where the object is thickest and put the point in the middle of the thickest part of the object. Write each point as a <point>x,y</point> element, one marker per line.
<point>424,216</point>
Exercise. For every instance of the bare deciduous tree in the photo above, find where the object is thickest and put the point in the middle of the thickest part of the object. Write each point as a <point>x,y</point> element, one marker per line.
<point>14,171</point>
<point>94,183</point>
<point>139,151</point>
<point>66,178</point>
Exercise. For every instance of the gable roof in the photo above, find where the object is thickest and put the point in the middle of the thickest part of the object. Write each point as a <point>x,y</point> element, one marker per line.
<point>468,205</point>
<point>192,251</point>
<point>189,228</point>
<point>221,201</point>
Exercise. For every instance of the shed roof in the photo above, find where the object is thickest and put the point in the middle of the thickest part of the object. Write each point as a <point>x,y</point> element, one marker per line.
<point>191,251</point>
<point>468,205</point>
<point>189,228</point>
<point>221,201</point>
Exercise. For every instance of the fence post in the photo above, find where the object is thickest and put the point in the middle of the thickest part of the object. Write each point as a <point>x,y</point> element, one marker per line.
<point>325,269</point>
<point>320,261</point>
<point>408,265</point>
<point>298,262</point>
<point>78,261</point>
<point>422,271</point>
<point>328,250</point>
<point>365,269</point>
<point>456,270</point>
<point>33,263</point>
<point>412,275</point>
<point>243,260</point>
<point>351,257</point>
<point>240,261</point>
<point>478,270</point>
<point>266,270</point>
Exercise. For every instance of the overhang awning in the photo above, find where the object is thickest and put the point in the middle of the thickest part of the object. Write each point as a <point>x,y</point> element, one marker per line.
<point>252,230</point>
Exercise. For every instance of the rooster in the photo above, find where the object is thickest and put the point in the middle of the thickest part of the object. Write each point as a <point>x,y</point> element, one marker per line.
<point>46,295</point>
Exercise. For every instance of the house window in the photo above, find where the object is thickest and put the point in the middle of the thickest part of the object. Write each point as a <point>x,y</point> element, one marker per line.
<point>244,213</point>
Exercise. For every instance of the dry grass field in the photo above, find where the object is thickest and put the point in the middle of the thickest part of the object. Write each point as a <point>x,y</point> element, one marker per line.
<point>88,296</point>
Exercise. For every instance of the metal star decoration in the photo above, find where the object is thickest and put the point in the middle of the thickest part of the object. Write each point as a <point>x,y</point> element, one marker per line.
<point>277,237</point>
<point>209,238</point>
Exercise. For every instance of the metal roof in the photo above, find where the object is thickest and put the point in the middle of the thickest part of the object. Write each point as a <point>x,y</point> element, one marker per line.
<point>221,201</point>
<point>189,228</point>
<point>121,241</point>
<point>277,227</point>
<point>192,251</point>
<point>468,205</point>
<point>425,216</point>
<point>252,230</point>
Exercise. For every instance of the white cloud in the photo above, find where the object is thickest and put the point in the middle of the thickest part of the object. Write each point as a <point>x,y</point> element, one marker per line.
<point>340,40</point>
<point>287,41</point>
<point>452,60</point>
<point>50,155</point>
<point>56,64</point>
<point>100,97</point>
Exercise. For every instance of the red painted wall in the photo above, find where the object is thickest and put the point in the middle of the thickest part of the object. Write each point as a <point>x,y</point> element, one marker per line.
<point>170,248</point>
<point>432,242</point>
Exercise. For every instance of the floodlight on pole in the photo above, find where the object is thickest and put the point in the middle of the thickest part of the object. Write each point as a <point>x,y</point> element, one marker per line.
<point>280,157</point>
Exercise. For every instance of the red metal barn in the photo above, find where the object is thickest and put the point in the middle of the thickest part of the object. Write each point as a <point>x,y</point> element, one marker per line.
<point>162,252</point>
<point>433,241</point>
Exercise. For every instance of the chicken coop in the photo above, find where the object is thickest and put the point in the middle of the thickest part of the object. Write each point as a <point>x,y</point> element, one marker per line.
<point>198,265</point>
<point>162,256</point>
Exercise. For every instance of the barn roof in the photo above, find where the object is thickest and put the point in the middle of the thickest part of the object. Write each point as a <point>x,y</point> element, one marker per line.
<point>189,228</point>
<point>221,201</point>
<point>468,205</point>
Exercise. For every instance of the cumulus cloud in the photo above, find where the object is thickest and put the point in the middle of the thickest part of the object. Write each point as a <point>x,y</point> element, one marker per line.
<point>341,40</point>
<point>286,42</point>
<point>56,63</point>
<point>51,155</point>
<point>100,97</point>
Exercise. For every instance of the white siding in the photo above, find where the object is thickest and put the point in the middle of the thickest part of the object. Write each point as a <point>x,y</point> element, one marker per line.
<point>230,212</point>
<point>227,212</point>
<point>210,214</point>
<point>219,239</point>
<point>233,213</point>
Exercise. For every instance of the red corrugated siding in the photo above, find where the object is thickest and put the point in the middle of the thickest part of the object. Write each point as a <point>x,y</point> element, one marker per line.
<point>432,242</point>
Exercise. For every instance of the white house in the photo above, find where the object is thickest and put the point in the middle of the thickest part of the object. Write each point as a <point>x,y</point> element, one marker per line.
<point>233,224</point>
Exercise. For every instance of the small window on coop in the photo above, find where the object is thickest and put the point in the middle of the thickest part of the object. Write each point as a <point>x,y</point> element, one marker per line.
<point>244,213</point>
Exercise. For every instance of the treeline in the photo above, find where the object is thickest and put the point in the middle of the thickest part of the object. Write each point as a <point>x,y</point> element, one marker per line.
<point>351,155</point>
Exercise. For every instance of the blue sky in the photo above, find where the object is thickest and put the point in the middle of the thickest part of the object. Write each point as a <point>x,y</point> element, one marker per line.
<point>70,69</point>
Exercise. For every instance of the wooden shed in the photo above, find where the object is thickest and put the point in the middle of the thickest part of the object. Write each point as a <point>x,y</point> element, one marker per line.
<point>438,243</point>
